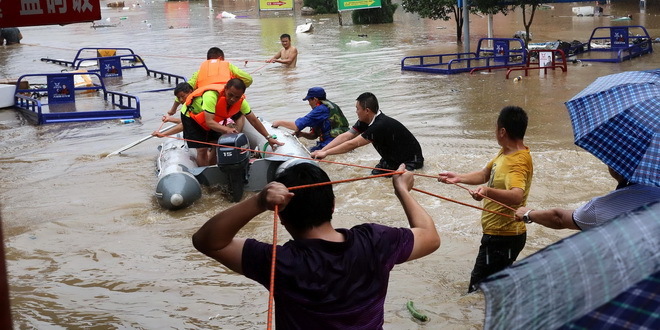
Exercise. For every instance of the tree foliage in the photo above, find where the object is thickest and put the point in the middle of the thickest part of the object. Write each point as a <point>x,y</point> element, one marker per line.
<point>528,8</point>
<point>433,9</point>
<point>437,9</point>
<point>448,9</point>
<point>322,6</point>
<point>385,14</point>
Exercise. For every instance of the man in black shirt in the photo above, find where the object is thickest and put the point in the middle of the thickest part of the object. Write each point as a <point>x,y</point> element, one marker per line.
<point>393,141</point>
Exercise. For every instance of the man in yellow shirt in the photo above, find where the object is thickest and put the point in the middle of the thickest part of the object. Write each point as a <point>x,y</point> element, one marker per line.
<point>508,177</point>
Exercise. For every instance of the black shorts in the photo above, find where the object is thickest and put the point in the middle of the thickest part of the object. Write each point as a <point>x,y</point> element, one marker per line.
<point>194,134</point>
<point>410,166</point>
<point>495,254</point>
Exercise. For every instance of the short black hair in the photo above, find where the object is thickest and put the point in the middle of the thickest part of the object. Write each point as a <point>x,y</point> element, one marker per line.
<point>285,35</point>
<point>368,100</point>
<point>214,53</point>
<point>309,207</point>
<point>514,120</point>
<point>183,87</point>
<point>236,83</point>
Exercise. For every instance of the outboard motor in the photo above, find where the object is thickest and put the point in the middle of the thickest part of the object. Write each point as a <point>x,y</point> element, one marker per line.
<point>234,162</point>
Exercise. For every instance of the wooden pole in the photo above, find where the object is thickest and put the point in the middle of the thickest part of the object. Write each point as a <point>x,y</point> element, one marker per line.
<point>466,27</point>
<point>5,310</point>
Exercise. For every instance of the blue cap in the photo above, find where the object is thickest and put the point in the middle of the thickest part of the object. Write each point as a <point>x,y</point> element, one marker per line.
<point>315,92</point>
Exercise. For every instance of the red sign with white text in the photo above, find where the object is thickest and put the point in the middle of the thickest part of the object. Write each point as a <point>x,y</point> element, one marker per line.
<point>15,13</point>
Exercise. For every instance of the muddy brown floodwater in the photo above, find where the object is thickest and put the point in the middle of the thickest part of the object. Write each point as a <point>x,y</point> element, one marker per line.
<point>88,246</point>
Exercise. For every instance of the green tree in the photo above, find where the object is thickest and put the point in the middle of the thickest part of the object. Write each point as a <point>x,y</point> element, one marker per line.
<point>322,6</point>
<point>384,14</point>
<point>438,9</point>
<point>528,10</point>
<point>448,9</point>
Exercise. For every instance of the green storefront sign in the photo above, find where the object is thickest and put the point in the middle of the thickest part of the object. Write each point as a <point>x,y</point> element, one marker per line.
<point>357,4</point>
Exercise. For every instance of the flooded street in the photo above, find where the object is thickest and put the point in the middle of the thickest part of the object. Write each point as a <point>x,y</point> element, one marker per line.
<point>89,247</point>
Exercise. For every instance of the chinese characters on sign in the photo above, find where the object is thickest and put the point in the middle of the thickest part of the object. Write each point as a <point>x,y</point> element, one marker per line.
<point>619,37</point>
<point>545,59</point>
<point>60,89</point>
<point>357,4</point>
<point>14,13</point>
<point>501,49</point>
<point>275,4</point>
<point>110,66</point>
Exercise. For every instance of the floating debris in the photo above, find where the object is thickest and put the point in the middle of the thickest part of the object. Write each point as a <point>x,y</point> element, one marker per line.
<point>416,314</point>
<point>305,28</point>
<point>225,14</point>
<point>116,4</point>
<point>358,43</point>
<point>96,26</point>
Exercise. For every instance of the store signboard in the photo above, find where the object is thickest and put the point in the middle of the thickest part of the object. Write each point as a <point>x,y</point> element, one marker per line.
<point>276,4</point>
<point>357,4</point>
<point>15,13</point>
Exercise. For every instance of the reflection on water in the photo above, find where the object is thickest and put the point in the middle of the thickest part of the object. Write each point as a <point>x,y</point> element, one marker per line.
<point>87,244</point>
<point>271,29</point>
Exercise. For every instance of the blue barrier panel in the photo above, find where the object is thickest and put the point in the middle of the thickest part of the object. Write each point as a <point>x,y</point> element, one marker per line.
<point>110,66</point>
<point>60,88</point>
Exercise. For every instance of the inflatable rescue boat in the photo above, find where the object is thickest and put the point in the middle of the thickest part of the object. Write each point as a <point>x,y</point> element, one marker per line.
<point>237,170</point>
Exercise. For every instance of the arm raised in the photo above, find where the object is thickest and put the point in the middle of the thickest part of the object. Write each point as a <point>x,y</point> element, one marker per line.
<point>426,236</point>
<point>216,238</point>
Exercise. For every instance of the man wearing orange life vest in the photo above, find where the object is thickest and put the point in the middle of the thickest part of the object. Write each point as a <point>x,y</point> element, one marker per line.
<point>205,113</point>
<point>213,71</point>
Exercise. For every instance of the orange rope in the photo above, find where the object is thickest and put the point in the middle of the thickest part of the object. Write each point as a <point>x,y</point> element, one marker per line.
<point>394,173</point>
<point>259,68</point>
<point>342,181</point>
<point>468,189</point>
<point>271,295</point>
<point>457,202</point>
<point>354,165</point>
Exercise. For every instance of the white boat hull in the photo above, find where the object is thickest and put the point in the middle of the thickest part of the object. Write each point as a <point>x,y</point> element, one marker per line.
<point>176,167</point>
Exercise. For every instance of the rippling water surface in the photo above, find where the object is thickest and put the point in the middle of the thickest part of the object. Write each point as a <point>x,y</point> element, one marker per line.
<point>88,246</point>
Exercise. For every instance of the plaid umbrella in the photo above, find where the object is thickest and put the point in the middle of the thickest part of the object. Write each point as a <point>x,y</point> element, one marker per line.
<point>617,119</point>
<point>602,278</point>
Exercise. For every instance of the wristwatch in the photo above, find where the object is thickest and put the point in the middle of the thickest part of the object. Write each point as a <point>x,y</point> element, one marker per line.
<point>268,137</point>
<point>526,217</point>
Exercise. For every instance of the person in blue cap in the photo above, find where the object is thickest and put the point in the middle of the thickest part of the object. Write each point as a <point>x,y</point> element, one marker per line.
<point>326,120</point>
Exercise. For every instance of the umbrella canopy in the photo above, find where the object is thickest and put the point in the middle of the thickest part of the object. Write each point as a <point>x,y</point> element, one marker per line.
<point>617,119</point>
<point>601,278</point>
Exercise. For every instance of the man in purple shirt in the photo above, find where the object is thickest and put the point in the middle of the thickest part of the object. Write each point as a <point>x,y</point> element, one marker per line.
<point>325,278</point>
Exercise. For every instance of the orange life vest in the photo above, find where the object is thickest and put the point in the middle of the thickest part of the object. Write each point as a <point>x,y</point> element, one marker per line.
<point>213,72</point>
<point>221,110</point>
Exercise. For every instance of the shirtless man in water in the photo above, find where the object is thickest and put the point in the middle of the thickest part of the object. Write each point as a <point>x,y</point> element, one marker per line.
<point>288,55</point>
